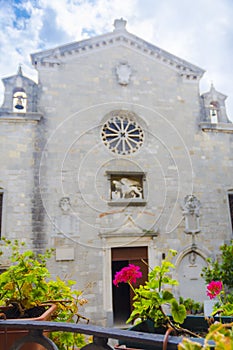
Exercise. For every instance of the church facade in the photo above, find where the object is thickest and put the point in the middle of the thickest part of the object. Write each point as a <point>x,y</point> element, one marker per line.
<point>114,157</point>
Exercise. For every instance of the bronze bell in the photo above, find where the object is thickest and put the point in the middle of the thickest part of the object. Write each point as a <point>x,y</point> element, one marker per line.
<point>214,113</point>
<point>19,103</point>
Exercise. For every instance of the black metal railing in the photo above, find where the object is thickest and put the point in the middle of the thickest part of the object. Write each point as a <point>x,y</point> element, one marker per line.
<point>101,335</point>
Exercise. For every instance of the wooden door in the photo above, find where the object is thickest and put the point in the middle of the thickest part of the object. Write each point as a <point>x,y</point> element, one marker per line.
<point>123,295</point>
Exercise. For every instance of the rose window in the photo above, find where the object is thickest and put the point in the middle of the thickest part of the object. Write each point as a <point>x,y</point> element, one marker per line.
<point>122,135</point>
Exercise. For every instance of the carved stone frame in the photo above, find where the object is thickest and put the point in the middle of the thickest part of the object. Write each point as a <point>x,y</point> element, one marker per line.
<point>137,201</point>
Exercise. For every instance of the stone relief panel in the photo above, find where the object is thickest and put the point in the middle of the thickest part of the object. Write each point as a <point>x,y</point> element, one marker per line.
<point>126,187</point>
<point>191,205</point>
<point>67,223</point>
<point>191,212</point>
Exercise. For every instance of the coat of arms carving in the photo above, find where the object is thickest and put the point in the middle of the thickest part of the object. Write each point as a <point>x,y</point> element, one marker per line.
<point>123,72</point>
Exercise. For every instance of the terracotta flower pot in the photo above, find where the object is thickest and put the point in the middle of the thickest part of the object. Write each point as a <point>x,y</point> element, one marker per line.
<point>9,336</point>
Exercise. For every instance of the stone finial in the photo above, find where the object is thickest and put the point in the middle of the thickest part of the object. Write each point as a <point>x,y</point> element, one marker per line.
<point>213,92</point>
<point>120,24</point>
<point>20,72</point>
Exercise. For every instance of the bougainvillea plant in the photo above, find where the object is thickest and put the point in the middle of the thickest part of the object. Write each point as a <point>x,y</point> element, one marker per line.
<point>150,299</point>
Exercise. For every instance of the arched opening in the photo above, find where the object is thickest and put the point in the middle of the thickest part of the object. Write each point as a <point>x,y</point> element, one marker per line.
<point>191,284</point>
<point>19,100</point>
<point>214,110</point>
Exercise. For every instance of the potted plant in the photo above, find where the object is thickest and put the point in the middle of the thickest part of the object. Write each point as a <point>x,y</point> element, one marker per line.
<point>27,291</point>
<point>218,274</point>
<point>192,307</point>
<point>155,306</point>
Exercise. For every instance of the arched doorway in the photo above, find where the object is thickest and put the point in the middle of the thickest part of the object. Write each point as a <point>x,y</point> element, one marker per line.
<point>191,284</point>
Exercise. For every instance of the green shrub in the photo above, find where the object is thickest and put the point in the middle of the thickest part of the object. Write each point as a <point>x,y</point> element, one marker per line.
<point>221,269</point>
<point>27,284</point>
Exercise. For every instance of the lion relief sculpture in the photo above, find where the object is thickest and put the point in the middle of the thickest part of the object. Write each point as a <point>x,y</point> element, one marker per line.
<point>126,188</point>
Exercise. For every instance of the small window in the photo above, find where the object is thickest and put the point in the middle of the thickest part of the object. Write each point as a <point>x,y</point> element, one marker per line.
<point>1,211</point>
<point>127,187</point>
<point>230,200</point>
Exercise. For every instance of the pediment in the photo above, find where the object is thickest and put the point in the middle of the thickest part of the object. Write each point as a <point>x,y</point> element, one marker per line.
<point>128,228</point>
<point>119,36</point>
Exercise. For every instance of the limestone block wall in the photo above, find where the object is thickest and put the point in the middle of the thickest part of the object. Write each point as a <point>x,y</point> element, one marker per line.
<point>17,138</point>
<point>56,170</point>
<point>178,158</point>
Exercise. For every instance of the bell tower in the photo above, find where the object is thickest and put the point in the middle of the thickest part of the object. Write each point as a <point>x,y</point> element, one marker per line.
<point>20,94</point>
<point>214,109</point>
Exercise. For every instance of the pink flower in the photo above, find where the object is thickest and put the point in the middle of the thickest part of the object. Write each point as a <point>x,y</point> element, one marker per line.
<point>128,274</point>
<point>213,289</point>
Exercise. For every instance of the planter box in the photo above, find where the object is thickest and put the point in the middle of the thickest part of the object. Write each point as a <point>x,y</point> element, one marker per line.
<point>8,337</point>
<point>196,324</point>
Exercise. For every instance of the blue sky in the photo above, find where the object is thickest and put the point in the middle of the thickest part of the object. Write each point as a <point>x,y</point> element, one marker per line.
<point>199,31</point>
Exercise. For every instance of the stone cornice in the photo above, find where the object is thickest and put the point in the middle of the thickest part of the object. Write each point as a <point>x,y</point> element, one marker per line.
<point>57,56</point>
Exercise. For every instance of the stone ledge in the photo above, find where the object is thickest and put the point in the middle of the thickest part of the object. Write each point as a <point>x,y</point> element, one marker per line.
<point>20,117</point>
<point>219,127</point>
<point>127,202</point>
<point>109,234</point>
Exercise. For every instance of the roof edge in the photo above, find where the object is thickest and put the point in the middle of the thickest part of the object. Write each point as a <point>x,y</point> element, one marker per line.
<point>121,36</point>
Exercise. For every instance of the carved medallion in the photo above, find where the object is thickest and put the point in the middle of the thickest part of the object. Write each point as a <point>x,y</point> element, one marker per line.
<point>123,72</point>
<point>64,204</point>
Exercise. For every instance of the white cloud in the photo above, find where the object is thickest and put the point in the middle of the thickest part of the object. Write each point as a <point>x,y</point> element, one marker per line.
<point>199,31</point>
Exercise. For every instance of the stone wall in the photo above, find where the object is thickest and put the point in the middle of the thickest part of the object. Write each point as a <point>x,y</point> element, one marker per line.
<point>56,171</point>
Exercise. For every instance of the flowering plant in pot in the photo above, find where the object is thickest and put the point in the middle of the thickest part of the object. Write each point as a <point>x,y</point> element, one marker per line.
<point>27,290</point>
<point>221,332</point>
<point>155,306</point>
<point>218,275</point>
<point>224,301</point>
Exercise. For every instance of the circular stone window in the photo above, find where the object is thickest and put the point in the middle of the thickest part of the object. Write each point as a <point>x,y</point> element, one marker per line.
<point>122,134</point>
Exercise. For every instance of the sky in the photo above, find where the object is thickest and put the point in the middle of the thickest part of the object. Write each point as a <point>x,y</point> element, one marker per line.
<point>199,31</point>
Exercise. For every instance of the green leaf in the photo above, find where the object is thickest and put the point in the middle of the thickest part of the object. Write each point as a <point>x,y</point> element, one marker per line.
<point>178,311</point>
<point>167,296</point>
<point>189,345</point>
